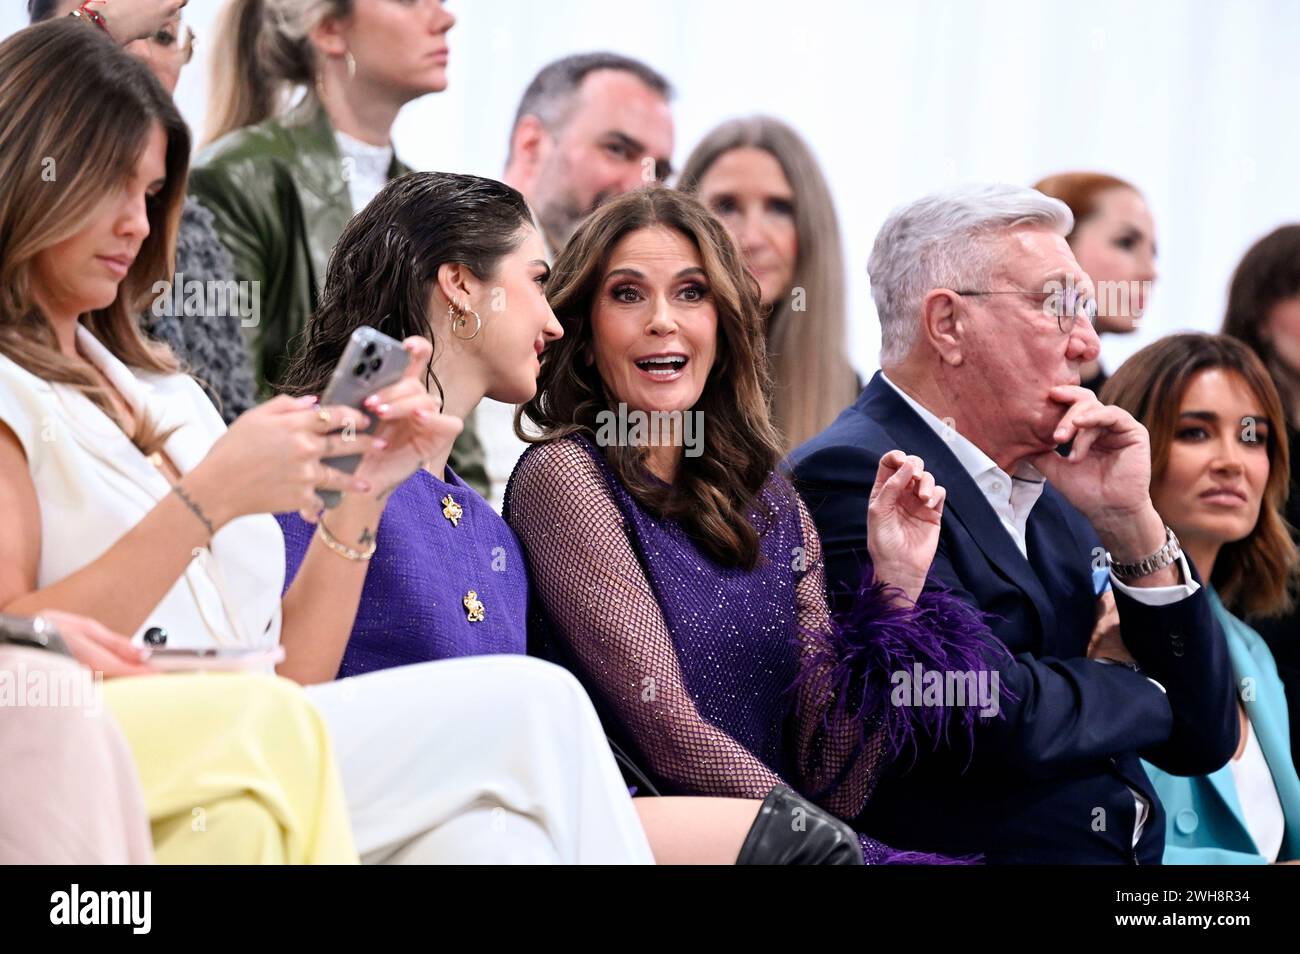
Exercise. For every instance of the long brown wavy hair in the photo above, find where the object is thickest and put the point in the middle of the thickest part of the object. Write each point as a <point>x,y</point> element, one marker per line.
<point>75,115</point>
<point>1257,575</point>
<point>714,493</point>
<point>812,379</point>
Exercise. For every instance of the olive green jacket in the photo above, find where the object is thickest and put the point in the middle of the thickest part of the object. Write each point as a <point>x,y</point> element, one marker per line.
<point>280,200</point>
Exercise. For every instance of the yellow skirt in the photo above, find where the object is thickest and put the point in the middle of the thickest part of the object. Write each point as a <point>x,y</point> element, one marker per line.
<point>237,768</point>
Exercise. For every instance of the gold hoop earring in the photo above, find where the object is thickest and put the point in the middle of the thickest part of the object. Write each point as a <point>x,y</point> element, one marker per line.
<point>351,63</point>
<point>459,320</point>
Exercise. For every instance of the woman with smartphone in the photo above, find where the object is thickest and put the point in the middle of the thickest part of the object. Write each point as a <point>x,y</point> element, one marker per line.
<point>282,183</point>
<point>130,502</point>
<point>238,769</point>
<point>207,337</point>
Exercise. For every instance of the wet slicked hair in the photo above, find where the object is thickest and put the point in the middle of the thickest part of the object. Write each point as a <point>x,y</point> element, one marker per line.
<point>386,262</point>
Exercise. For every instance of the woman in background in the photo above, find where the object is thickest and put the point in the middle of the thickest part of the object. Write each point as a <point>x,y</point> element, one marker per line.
<point>1114,241</point>
<point>124,20</point>
<point>1264,312</point>
<point>282,182</point>
<point>1219,477</point>
<point>760,178</point>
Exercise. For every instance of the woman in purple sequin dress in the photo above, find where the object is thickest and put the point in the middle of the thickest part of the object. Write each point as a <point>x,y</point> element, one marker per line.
<point>677,574</point>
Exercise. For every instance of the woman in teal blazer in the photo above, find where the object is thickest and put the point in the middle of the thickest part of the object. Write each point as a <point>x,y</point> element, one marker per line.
<point>1220,474</point>
<point>1205,821</point>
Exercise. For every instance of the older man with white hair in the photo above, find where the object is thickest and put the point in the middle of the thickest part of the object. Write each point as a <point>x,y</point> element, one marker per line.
<point>986,320</point>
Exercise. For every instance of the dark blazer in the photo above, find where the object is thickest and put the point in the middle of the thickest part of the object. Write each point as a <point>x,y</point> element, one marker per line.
<point>1049,780</point>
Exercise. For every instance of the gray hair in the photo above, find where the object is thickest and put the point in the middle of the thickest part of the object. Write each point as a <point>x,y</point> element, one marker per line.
<point>941,241</point>
<point>550,95</point>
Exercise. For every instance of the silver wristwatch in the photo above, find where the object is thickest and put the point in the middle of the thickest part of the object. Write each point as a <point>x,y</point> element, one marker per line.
<point>34,631</point>
<point>1167,555</point>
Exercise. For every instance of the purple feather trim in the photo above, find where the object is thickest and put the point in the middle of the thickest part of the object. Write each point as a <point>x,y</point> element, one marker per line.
<point>876,638</point>
<point>878,853</point>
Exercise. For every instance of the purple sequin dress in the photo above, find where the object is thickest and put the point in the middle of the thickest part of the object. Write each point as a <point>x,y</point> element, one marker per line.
<point>413,607</point>
<point>719,680</point>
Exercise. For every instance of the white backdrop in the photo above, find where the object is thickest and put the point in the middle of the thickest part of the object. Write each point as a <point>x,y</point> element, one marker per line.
<point>1194,101</point>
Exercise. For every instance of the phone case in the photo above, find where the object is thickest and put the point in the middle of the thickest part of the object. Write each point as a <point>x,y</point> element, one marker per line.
<point>372,361</point>
<point>33,631</point>
<point>223,660</point>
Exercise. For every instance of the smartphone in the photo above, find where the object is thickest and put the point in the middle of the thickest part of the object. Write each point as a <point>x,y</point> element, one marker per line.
<point>34,631</point>
<point>224,659</point>
<point>370,362</point>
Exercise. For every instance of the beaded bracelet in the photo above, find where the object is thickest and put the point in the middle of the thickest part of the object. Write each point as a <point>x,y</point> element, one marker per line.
<point>342,549</point>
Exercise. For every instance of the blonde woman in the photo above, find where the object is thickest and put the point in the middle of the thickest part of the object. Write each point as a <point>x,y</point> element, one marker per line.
<point>760,178</point>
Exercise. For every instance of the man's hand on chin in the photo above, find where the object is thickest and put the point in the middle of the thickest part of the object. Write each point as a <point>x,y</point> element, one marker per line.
<point>1107,476</point>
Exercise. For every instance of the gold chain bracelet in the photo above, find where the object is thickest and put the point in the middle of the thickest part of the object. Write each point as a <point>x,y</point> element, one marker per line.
<point>342,549</point>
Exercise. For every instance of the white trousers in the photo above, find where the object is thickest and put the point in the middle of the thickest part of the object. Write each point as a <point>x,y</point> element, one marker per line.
<point>487,759</point>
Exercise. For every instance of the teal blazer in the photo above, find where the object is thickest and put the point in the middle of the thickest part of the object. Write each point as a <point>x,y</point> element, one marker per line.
<point>1203,818</point>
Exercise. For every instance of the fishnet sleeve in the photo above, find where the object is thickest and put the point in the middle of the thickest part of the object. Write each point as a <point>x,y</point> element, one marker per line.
<point>602,609</point>
<point>837,756</point>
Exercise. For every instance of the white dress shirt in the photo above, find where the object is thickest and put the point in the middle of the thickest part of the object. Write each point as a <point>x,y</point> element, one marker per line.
<point>1012,499</point>
<point>1260,805</point>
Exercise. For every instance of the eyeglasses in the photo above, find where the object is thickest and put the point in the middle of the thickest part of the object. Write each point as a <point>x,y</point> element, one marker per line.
<point>175,43</point>
<point>1069,305</point>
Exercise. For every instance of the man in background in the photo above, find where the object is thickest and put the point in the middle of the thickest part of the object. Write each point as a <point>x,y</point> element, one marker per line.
<point>589,127</point>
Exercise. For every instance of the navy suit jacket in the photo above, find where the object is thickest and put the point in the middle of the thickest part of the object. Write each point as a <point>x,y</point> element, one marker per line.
<point>1049,779</point>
